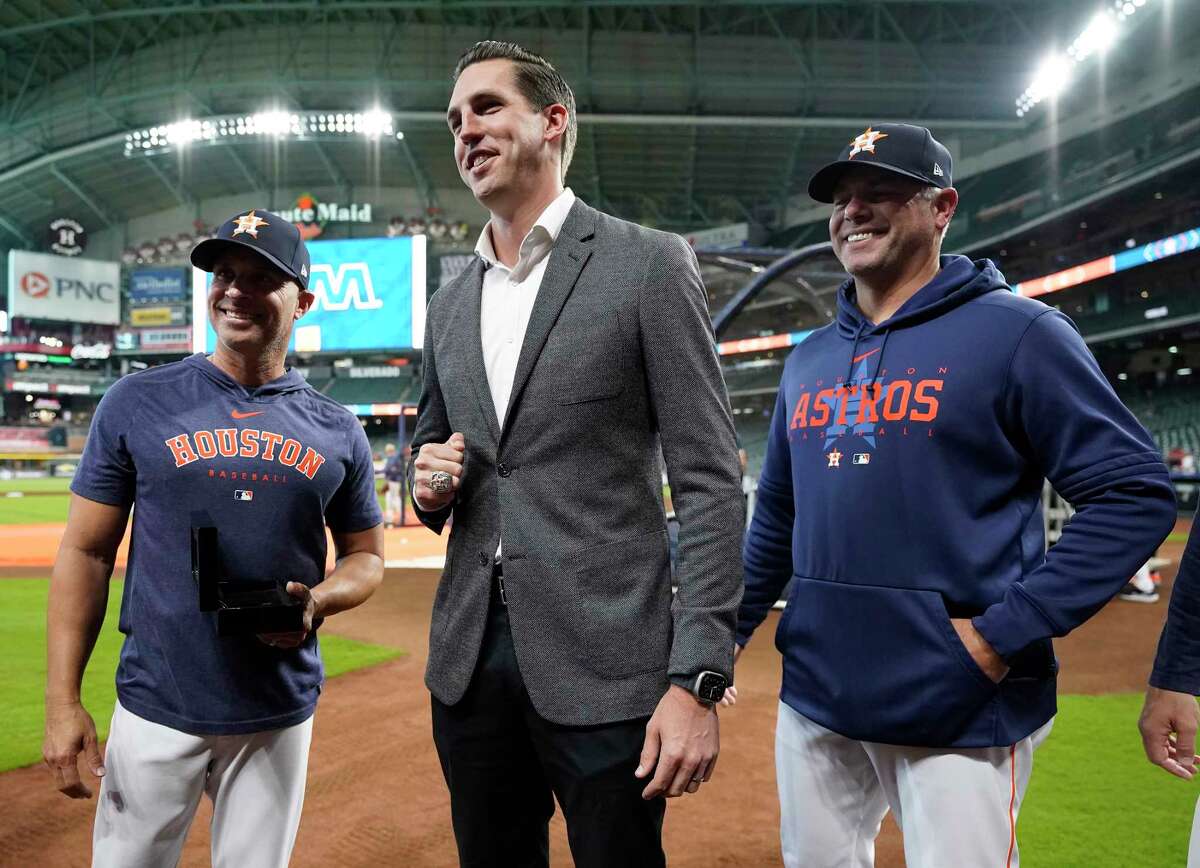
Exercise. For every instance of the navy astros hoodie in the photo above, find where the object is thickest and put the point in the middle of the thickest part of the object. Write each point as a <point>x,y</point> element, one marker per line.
<point>902,488</point>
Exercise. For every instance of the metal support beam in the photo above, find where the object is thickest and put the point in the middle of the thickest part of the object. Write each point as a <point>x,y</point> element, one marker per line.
<point>795,50</point>
<point>50,21</point>
<point>15,230</point>
<point>335,171</point>
<point>424,184</point>
<point>182,196</point>
<point>258,183</point>
<point>100,83</point>
<point>597,186</point>
<point>689,192</point>
<point>747,294</point>
<point>85,197</point>
<point>16,103</point>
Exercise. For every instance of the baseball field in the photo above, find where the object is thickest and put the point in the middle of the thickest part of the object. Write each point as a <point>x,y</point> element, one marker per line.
<point>375,794</point>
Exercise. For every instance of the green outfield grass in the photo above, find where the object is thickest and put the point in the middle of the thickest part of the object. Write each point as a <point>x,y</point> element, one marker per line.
<point>50,508</point>
<point>23,667</point>
<point>54,483</point>
<point>1094,801</point>
<point>48,503</point>
<point>34,509</point>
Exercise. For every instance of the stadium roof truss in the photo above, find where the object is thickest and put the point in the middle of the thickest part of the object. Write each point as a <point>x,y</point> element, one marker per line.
<point>692,113</point>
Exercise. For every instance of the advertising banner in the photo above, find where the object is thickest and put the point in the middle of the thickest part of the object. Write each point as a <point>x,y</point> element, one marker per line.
<point>24,440</point>
<point>719,237</point>
<point>370,295</point>
<point>45,286</point>
<point>165,340</point>
<point>157,316</point>
<point>156,285</point>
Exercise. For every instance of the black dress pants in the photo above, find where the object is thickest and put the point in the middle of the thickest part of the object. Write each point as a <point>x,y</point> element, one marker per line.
<point>504,765</point>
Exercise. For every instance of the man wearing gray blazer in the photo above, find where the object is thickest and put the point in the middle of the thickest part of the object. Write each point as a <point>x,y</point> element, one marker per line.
<point>560,663</point>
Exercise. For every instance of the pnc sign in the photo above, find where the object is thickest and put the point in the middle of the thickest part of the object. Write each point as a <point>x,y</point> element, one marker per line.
<point>35,284</point>
<point>48,287</point>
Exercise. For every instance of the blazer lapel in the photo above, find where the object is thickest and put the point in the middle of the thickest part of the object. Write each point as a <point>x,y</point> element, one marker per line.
<point>567,259</point>
<point>474,347</point>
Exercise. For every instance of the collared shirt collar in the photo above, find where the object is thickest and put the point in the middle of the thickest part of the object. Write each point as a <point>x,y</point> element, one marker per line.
<point>550,221</point>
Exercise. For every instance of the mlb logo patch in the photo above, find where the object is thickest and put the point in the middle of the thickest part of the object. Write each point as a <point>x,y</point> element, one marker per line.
<point>243,494</point>
<point>862,458</point>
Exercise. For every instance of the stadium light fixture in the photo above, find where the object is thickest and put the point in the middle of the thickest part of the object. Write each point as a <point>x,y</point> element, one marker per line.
<point>1056,72</point>
<point>1051,79</point>
<point>1099,36</point>
<point>373,124</point>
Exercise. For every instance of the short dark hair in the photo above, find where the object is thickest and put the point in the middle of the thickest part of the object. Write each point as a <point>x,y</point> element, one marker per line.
<point>537,80</point>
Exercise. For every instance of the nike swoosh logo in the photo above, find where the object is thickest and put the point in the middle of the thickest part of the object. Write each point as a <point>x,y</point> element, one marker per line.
<point>864,355</point>
<point>236,415</point>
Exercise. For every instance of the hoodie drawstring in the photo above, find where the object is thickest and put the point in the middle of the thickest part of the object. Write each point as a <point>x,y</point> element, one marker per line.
<point>887,333</point>
<point>882,349</point>
<point>853,353</point>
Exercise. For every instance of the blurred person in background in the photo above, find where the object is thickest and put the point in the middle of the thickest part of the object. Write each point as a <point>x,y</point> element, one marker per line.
<point>394,470</point>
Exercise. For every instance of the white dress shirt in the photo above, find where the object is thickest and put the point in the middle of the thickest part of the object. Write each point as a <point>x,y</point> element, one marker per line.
<point>508,297</point>
<point>509,294</point>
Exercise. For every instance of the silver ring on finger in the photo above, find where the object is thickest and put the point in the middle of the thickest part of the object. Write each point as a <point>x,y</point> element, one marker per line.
<point>440,481</point>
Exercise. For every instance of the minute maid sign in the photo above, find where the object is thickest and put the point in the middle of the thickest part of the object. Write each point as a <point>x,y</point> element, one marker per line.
<point>310,216</point>
<point>369,295</point>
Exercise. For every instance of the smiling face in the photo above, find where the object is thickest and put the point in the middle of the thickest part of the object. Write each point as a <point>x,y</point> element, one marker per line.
<point>505,149</point>
<point>252,304</point>
<point>882,223</point>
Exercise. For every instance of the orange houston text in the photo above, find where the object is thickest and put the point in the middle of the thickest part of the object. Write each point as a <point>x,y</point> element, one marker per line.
<point>868,402</point>
<point>245,443</point>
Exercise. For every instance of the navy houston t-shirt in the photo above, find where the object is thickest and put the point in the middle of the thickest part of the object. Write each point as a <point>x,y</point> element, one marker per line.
<point>269,467</point>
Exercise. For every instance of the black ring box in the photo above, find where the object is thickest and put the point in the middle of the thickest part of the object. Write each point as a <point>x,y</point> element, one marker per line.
<point>242,607</point>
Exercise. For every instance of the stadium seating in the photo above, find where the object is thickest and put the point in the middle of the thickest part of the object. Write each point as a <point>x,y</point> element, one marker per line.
<point>1171,416</point>
<point>346,390</point>
<point>751,380</point>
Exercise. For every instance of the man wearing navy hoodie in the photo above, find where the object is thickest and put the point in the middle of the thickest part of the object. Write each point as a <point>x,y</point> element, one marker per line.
<point>1170,717</point>
<point>901,496</point>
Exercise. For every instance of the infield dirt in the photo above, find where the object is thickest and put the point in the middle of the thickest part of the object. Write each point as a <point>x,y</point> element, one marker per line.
<point>375,792</point>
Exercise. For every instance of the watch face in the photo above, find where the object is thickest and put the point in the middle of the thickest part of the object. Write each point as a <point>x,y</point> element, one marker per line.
<point>712,687</point>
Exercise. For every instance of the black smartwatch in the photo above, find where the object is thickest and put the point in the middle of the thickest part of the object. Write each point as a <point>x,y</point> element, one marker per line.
<point>709,687</point>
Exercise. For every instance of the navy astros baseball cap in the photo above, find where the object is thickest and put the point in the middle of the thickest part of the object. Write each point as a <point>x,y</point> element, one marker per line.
<point>267,234</point>
<point>900,148</point>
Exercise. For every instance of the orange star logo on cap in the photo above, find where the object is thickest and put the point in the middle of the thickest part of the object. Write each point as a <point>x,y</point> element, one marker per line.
<point>865,141</point>
<point>249,224</point>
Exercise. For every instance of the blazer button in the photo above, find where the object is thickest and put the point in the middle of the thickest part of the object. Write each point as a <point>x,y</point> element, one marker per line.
<point>484,560</point>
<point>504,470</point>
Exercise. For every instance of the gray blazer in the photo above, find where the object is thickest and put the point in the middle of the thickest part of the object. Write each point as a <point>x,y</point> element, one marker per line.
<point>618,357</point>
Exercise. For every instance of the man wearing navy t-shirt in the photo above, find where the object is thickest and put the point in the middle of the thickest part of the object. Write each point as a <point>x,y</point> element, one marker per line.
<point>237,441</point>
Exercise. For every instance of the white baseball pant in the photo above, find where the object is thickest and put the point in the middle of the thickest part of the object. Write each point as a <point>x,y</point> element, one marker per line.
<point>155,775</point>
<point>955,807</point>
<point>1194,845</point>
<point>391,500</point>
